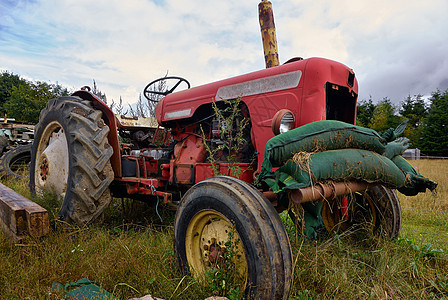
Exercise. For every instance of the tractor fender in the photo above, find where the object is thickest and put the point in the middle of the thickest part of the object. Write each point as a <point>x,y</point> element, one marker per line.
<point>111,121</point>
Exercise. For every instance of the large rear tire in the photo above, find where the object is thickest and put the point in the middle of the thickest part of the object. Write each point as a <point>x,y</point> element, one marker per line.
<point>217,206</point>
<point>70,157</point>
<point>377,210</point>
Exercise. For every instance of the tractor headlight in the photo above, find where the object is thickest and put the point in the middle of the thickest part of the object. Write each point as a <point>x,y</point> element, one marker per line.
<point>283,121</point>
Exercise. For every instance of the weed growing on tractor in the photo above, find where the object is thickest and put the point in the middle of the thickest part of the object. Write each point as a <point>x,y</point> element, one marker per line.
<point>229,128</point>
<point>223,278</point>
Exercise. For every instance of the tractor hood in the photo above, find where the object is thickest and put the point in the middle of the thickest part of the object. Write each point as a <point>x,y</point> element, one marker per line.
<point>300,77</point>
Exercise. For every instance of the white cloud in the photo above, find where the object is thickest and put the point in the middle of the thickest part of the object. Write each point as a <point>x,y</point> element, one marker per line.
<point>395,47</point>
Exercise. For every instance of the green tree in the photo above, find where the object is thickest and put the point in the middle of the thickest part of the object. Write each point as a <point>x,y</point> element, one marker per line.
<point>384,116</point>
<point>28,99</point>
<point>7,82</point>
<point>434,138</point>
<point>414,109</point>
<point>364,112</point>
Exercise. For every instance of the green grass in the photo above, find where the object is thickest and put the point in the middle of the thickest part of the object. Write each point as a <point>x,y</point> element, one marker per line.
<point>132,255</point>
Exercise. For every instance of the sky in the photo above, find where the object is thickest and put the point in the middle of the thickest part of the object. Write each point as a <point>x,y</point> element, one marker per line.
<point>396,47</point>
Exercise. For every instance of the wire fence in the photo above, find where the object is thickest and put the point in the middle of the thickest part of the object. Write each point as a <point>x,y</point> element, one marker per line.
<point>433,157</point>
<point>418,157</point>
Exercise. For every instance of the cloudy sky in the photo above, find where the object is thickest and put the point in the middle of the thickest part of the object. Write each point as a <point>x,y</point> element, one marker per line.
<point>396,47</point>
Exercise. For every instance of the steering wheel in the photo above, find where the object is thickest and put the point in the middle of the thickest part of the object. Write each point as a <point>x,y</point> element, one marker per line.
<point>156,87</point>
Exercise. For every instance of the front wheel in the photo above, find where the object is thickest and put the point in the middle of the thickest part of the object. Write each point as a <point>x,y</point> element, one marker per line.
<point>70,157</point>
<point>223,222</point>
<point>377,210</point>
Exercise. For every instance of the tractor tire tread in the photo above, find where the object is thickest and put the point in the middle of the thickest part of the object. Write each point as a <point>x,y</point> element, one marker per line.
<point>267,246</point>
<point>90,172</point>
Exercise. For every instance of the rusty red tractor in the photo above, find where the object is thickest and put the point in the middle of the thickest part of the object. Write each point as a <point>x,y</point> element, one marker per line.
<point>86,154</point>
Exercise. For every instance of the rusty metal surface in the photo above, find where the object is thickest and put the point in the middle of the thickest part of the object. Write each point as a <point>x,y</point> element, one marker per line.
<point>266,18</point>
<point>132,122</point>
<point>20,216</point>
<point>327,191</point>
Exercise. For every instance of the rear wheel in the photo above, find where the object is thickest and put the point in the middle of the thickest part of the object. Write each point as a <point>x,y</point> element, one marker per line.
<point>377,210</point>
<point>223,214</point>
<point>70,157</point>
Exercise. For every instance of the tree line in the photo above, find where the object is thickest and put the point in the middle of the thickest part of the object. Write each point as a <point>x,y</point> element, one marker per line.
<point>427,126</point>
<point>23,99</point>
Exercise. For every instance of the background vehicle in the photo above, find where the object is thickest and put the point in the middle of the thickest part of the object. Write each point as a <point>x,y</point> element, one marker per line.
<point>15,146</point>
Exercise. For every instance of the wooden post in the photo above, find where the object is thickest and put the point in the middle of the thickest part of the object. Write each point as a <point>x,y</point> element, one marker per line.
<point>20,217</point>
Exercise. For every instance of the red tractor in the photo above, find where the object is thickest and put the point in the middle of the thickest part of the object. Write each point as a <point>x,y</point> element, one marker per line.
<point>86,154</point>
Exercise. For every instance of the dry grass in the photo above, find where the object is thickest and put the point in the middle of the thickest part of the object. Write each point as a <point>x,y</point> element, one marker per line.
<point>436,170</point>
<point>126,255</point>
<point>415,266</point>
<point>133,260</point>
<point>426,215</point>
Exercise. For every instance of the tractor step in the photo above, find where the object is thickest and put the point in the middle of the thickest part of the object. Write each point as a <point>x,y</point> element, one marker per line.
<point>21,217</point>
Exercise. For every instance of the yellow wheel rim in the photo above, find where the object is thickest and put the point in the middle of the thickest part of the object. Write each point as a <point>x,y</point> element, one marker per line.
<point>209,239</point>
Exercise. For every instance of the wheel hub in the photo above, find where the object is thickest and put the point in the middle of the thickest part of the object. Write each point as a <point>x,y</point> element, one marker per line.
<point>214,249</point>
<point>44,172</point>
<point>209,232</point>
<point>215,252</point>
<point>52,160</point>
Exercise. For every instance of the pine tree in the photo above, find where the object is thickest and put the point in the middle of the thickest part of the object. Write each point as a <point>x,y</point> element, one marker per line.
<point>364,112</point>
<point>414,109</point>
<point>435,128</point>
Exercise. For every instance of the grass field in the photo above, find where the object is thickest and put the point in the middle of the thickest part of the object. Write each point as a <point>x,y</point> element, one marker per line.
<point>132,254</point>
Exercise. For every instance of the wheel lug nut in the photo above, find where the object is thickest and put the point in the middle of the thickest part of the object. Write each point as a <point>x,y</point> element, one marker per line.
<point>206,247</point>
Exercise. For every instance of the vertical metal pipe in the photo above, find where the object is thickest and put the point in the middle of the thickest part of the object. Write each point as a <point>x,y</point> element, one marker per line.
<point>266,18</point>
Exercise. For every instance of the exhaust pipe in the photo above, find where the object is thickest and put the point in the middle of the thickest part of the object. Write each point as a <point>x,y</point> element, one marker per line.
<point>327,191</point>
<point>266,18</point>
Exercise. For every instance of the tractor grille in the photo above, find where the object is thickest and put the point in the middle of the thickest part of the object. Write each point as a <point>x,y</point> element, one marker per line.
<point>340,103</point>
